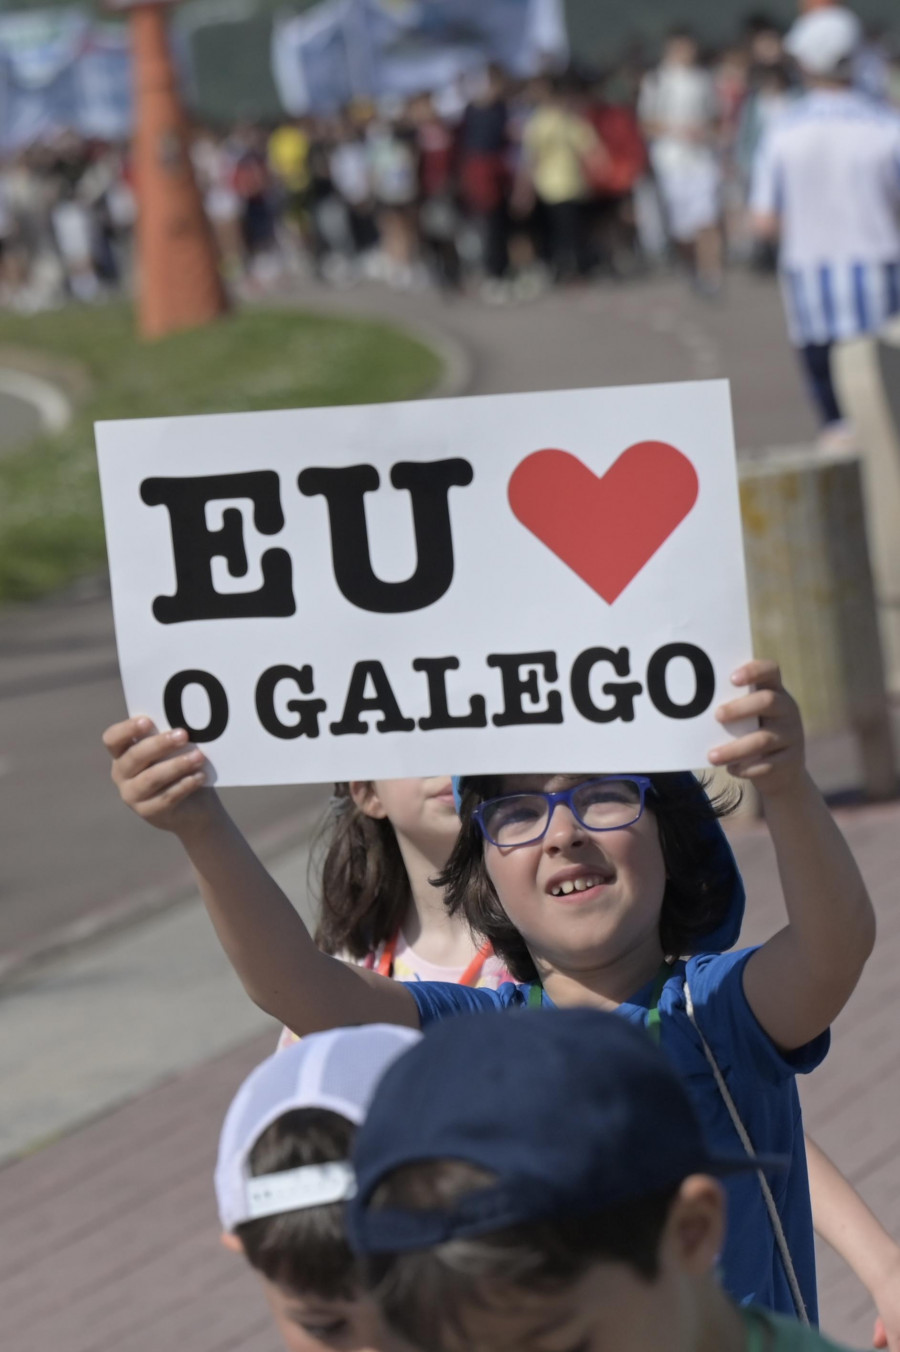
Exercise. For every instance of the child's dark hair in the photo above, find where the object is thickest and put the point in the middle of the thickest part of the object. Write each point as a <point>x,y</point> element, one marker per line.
<point>365,888</point>
<point>698,889</point>
<point>424,1294</point>
<point>304,1251</point>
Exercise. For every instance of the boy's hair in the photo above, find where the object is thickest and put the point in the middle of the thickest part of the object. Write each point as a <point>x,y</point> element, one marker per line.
<point>424,1293</point>
<point>698,891</point>
<point>305,1251</point>
<point>365,887</point>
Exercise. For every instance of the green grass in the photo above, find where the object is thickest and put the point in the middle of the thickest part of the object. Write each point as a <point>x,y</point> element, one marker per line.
<point>51,528</point>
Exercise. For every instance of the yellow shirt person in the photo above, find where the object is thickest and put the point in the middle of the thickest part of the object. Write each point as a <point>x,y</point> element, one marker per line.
<point>288,154</point>
<point>557,143</point>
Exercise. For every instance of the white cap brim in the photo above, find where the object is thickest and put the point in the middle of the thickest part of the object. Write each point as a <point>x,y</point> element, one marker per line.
<point>337,1071</point>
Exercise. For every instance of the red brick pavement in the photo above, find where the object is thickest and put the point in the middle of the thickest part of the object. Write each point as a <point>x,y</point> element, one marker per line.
<point>108,1238</point>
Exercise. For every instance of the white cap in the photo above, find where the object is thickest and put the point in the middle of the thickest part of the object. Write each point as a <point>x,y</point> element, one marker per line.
<point>339,1071</point>
<point>822,39</point>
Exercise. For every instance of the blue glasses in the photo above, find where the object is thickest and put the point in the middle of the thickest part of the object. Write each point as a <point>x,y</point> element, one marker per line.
<point>606,804</point>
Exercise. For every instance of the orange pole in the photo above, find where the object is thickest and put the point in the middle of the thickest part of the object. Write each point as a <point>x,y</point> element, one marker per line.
<point>179,285</point>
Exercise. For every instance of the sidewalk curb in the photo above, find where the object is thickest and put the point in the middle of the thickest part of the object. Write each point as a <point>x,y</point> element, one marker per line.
<point>458,363</point>
<point>54,408</point>
<point>139,907</point>
<point>53,386</point>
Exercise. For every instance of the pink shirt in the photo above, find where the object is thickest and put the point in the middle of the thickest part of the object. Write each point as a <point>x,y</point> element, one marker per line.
<point>408,966</point>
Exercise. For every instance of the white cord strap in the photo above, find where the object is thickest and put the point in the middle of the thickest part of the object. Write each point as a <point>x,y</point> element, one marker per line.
<point>780,1237</point>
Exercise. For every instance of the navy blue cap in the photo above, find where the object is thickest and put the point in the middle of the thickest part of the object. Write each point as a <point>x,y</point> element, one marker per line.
<point>572,1110</point>
<point>726,934</point>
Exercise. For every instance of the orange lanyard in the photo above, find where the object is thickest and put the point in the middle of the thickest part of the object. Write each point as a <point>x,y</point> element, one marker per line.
<point>469,976</point>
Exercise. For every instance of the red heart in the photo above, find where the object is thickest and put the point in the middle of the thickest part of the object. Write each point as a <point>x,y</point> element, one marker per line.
<point>606,529</point>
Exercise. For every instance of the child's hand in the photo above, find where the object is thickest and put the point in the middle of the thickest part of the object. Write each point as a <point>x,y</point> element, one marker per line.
<point>158,775</point>
<point>772,756</point>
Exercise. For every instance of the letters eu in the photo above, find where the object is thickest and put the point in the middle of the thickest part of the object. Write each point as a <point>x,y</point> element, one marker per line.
<point>194,545</point>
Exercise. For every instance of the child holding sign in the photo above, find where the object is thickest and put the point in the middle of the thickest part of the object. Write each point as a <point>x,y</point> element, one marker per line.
<point>596,902</point>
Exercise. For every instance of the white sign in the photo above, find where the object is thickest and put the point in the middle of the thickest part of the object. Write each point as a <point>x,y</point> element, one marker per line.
<point>515,583</point>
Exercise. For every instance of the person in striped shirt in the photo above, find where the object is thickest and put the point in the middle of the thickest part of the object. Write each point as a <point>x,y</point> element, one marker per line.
<point>827,186</point>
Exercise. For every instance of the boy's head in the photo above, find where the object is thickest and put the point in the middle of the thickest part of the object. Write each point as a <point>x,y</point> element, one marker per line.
<point>670,872</point>
<point>545,1187</point>
<point>283,1178</point>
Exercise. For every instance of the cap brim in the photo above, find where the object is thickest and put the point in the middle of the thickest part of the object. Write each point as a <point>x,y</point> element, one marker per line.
<point>397,1230</point>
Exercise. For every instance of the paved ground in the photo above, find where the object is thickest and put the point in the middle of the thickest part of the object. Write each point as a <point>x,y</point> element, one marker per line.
<point>71,854</point>
<point>653,330</point>
<point>112,1018</point>
<point>123,1052</point>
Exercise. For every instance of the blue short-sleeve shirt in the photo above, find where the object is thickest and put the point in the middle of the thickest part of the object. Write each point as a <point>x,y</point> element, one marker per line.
<point>761,1080</point>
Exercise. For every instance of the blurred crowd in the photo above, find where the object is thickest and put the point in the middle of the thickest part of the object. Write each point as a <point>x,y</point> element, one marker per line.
<point>501,186</point>
<point>67,215</point>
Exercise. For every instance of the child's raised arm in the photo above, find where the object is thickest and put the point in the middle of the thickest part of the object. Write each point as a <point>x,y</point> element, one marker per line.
<point>800,980</point>
<point>161,778</point>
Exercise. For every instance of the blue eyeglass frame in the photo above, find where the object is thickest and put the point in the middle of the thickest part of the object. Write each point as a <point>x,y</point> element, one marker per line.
<point>644,783</point>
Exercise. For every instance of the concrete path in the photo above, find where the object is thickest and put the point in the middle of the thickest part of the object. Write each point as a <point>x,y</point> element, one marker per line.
<point>72,858</point>
<point>640,332</point>
<point>103,1023</point>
